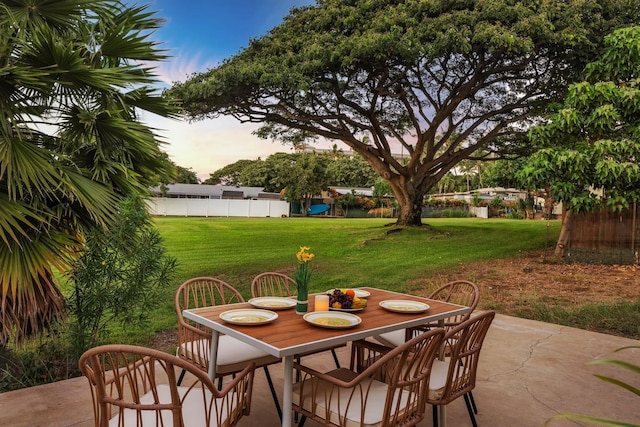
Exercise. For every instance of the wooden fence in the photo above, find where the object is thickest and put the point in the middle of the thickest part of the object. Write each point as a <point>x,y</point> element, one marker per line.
<point>605,237</point>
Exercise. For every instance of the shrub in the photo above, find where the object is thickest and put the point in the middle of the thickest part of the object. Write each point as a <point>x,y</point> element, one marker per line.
<point>119,277</point>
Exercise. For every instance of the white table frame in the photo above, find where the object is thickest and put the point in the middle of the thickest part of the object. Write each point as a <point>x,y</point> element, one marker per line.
<point>287,353</point>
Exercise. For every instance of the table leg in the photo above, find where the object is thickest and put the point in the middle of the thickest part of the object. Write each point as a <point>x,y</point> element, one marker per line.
<point>287,394</point>
<point>442,409</point>
<point>213,354</point>
<point>442,417</point>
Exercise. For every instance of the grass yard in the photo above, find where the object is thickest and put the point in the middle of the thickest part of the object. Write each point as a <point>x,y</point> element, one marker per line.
<point>510,260</point>
<point>349,252</point>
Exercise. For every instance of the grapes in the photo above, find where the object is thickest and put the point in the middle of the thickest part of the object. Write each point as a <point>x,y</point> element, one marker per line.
<point>337,296</point>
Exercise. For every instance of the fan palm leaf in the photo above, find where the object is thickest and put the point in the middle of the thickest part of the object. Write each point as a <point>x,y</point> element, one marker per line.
<point>72,75</point>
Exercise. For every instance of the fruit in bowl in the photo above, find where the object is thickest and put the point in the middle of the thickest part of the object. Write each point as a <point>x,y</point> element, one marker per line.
<point>346,299</point>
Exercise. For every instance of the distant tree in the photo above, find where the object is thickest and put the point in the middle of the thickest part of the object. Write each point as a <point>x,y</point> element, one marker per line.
<point>447,80</point>
<point>353,171</point>
<point>232,174</point>
<point>186,176</point>
<point>593,141</point>
<point>472,172</point>
<point>74,79</point>
<point>305,178</point>
<point>165,174</point>
<point>447,184</point>
<point>336,152</point>
<point>503,173</point>
<point>272,173</point>
<point>508,174</point>
<point>381,189</point>
<point>346,201</point>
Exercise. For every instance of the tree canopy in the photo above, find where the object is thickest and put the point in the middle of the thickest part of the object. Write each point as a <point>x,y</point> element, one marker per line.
<point>186,175</point>
<point>74,75</point>
<point>440,80</point>
<point>590,153</point>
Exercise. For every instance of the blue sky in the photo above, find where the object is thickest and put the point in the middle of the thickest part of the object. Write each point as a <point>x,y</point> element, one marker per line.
<point>199,34</point>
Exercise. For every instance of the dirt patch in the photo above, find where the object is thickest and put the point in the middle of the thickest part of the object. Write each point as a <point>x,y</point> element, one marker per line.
<point>165,341</point>
<point>506,281</point>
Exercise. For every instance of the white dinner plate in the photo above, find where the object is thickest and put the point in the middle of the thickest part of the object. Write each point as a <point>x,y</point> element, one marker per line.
<point>272,303</point>
<point>248,316</point>
<point>360,293</point>
<point>404,306</point>
<point>332,319</point>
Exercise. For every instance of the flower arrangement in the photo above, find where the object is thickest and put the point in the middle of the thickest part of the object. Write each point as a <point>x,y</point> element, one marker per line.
<point>302,276</point>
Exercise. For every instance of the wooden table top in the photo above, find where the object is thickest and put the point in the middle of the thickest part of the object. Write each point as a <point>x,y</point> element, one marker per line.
<point>290,334</point>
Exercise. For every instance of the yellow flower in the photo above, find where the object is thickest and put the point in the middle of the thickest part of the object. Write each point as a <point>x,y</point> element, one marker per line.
<point>303,255</point>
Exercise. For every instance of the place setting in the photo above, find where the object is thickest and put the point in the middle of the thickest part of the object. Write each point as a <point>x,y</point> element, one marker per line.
<point>332,319</point>
<point>333,309</point>
<point>404,306</point>
<point>273,303</point>
<point>248,317</point>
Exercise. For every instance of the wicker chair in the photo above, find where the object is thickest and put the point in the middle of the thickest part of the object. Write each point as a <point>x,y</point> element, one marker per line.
<point>461,292</point>
<point>194,340</point>
<point>385,387</point>
<point>455,376</point>
<point>273,284</point>
<point>280,285</point>
<point>136,386</point>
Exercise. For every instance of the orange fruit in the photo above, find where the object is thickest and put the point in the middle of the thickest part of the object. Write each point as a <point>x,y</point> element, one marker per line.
<point>351,293</point>
<point>336,305</point>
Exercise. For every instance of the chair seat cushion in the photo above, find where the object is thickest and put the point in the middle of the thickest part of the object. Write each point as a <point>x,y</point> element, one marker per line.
<point>346,404</point>
<point>392,339</point>
<point>438,379</point>
<point>193,409</point>
<point>233,354</point>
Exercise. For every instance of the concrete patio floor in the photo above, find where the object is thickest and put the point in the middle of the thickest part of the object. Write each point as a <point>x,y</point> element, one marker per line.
<point>528,372</point>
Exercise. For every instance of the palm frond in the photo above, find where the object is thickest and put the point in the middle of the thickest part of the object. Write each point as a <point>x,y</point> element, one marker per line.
<point>593,420</point>
<point>27,168</point>
<point>16,218</point>
<point>30,298</point>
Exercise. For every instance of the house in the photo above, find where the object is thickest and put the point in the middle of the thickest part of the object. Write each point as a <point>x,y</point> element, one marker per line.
<point>204,191</point>
<point>487,194</point>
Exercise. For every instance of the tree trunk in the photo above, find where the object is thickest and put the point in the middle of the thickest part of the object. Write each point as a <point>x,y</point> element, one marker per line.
<point>547,210</point>
<point>565,233</point>
<point>410,205</point>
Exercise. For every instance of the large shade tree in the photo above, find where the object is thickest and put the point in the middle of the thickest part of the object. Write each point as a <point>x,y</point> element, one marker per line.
<point>72,81</point>
<point>438,81</point>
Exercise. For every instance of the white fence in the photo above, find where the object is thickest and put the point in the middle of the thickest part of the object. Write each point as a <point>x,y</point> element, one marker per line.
<point>479,211</point>
<point>217,207</point>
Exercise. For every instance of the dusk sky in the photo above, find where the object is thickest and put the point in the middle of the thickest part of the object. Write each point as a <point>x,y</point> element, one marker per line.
<point>199,34</point>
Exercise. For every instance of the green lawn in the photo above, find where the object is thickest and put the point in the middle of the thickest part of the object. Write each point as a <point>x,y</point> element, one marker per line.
<point>348,252</point>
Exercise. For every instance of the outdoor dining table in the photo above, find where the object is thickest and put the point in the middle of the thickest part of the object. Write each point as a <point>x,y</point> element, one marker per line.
<point>289,334</point>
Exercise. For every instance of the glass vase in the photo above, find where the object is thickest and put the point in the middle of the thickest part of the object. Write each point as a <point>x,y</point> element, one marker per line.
<point>302,305</point>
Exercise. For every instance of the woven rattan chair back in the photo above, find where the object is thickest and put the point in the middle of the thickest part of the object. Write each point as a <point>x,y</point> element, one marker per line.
<point>193,338</point>
<point>456,375</point>
<point>136,386</point>
<point>273,285</point>
<point>387,387</point>
<point>461,292</point>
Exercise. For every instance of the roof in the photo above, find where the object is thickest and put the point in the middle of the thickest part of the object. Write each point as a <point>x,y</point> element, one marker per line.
<point>359,191</point>
<point>211,191</point>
